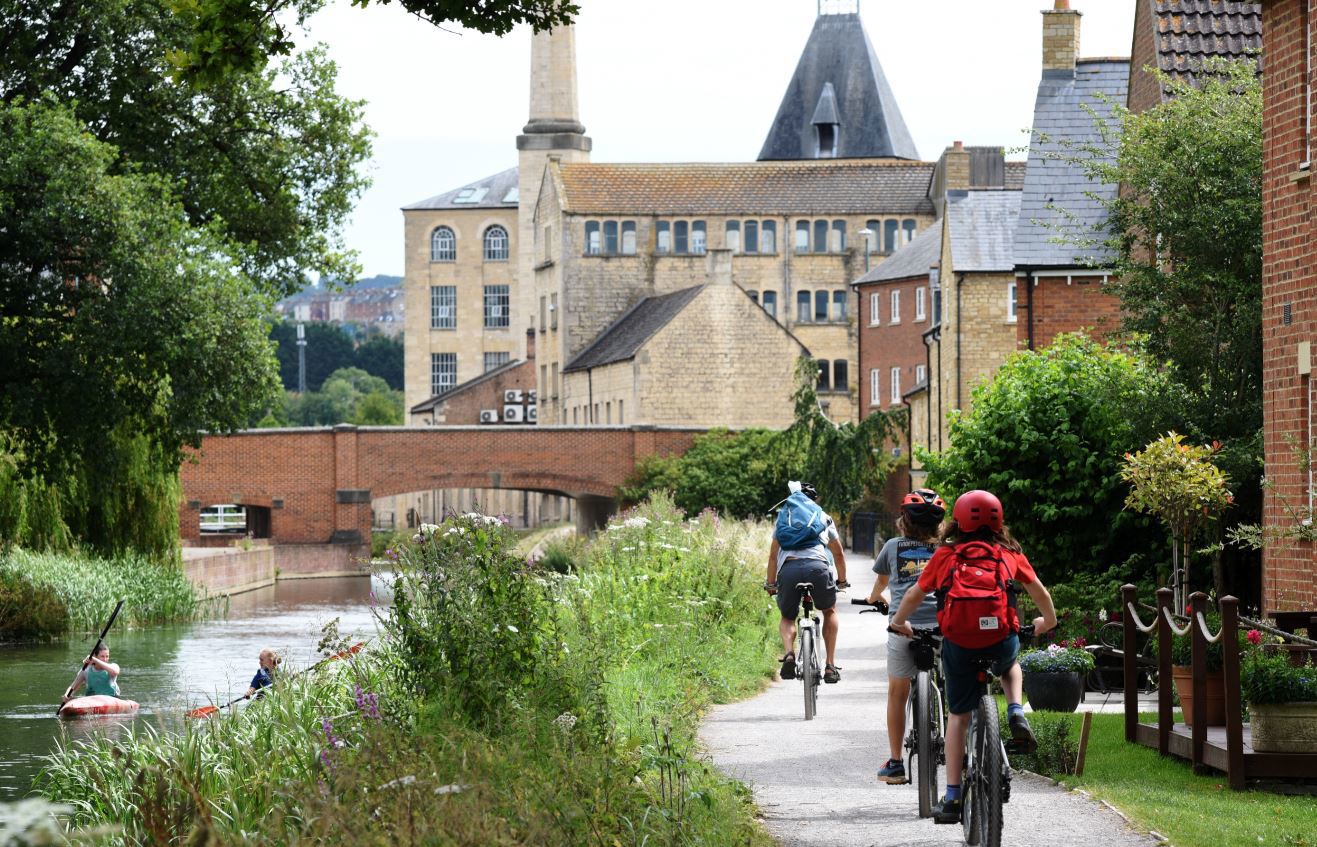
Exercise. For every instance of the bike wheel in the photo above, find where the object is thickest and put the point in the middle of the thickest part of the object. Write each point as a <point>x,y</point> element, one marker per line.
<point>969,787</point>
<point>808,660</point>
<point>991,776</point>
<point>925,725</point>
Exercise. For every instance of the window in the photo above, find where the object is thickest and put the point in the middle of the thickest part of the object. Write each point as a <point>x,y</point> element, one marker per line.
<point>496,307</point>
<point>443,307</point>
<point>875,314</point>
<point>548,243</point>
<point>751,241</point>
<point>619,413</point>
<point>823,374</point>
<point>820,236</point>
<point>768,237</point>
<point>608,413</point>
<point>802,307</point>
<point>895,310</point>
<point>802,236</point>
<point>875,387</point>
<point>697,238</point>
<point>1010,302</point>
<point>443,245</point>
<point>895,379</point>
<point>921,374</point>
<point>496,244</point>
<point>769,302</point>
<point>553,377</point>
<point>754,295</point>
<point>908,230</point>
<point>680,237</point>
<point>839,305</point>
<point>732,237</point>
<point>575,409</point>
<point>544,379</point>
<point>553,311</point>
<point>496,360</point>
<point>544,309</point>
<point>937,305</point>
<point>592,244</point>
<point>443,372</point>
<point>920,314</point>
<point>628,238</point>
<point>890,232</point>
<point>838,243</point>
<point>610,238</point>
<point>662,237</point>
<point>827,138</point>
<point>821,306</point>
<point>875,241</point>
<point>840,379</point>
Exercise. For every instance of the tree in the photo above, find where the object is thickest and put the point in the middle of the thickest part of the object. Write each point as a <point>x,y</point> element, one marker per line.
<point>382,356</point>
<point>328,349</point>
<point>267,158</point>
<point>1046,435</point>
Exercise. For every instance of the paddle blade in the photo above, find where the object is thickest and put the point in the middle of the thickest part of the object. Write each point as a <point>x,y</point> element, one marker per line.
<point>202,712</point>
<point>348,652</point>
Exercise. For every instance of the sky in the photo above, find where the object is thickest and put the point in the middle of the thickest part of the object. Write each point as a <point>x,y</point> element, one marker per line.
<point>671,81</point>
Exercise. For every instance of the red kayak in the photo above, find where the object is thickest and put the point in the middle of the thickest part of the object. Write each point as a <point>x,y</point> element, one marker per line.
<point>96,706</point>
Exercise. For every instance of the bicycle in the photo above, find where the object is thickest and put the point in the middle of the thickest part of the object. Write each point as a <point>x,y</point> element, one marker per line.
<point>809,632</point>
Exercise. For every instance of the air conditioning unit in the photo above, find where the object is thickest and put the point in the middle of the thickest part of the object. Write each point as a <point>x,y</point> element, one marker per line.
<point>532,414</point>
<point>514,414</point>
<point>512,395</point>
<point>488,416</point>
<point>530,396</point>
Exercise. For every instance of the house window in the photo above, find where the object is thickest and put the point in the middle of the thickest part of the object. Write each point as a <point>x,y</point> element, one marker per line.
<point>496,360</point>
<point>921,374</point>
<point>698,238</point>
<point>619,413</point>
<point>920,314</point>
<point>662,237</point>
<point>610,238</point>
<point>891,230</point>
<point>628,238</point>
<point>768,237</point>
<point>553,376</point>
<point>875,243</point>
<point>544,310</point>
<point>821,306</point>
<point>751,240</point>
<point>681,237</point>
<point>839,305</point>
<point>496,244</point>
<point>827,140</point>
<point>575,410</point>
<point>1010,302</point>
<point>754,295</point>
<point>553,311</point>
<point>443,307</point>
<point>840,379</point>
<point>895,310</point>
<point>802,307</point>
<point>496,307</point>
<point>769,302</point>
<point>838,243</point>
<point>875,387</point>
<point>592,244</point>
<point>875,313</point>
<point>823,374</point>
<point>443,372</point>
<point>733,236</point>
<point>443,245</point>
<point>895,379</point>
<point>608,413</point>
<point>820,236</point>
<point>802,236</point>
<point>908,230</point>
<point>548,243</point>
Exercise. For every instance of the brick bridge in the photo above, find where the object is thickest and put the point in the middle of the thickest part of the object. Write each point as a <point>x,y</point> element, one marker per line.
<point>315,485</point>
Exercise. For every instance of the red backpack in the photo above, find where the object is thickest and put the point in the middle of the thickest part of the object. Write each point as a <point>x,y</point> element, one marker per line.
<point>976,601</point>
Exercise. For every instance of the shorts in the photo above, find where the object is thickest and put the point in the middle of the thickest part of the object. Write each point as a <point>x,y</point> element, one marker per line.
<point>963,688</point>
<point>814,571</point>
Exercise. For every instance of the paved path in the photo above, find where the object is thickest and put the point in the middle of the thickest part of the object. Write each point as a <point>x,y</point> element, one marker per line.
<point>814,781</point>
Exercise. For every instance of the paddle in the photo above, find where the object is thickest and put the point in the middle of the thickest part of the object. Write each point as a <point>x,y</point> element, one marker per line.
<point>94,648</point>
<point>207,711</point>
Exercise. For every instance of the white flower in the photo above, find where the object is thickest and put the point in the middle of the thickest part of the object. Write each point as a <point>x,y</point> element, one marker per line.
<point>565,722</point>
<point>627,549</point>
<point>400,781</point>
<point>512,628</point>
<point>1102,614</point>
<point>667,546</point>
<point>637,522</point>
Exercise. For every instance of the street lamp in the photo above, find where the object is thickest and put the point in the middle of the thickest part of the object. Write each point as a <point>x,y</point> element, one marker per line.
<point>868,248</point>
<point>301,359</point>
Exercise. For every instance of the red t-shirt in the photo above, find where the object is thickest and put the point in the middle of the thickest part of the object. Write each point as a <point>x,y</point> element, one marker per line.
<point>935,572</point>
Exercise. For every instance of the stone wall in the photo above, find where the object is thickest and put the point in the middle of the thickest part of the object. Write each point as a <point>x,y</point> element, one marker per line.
<point>229,570</point>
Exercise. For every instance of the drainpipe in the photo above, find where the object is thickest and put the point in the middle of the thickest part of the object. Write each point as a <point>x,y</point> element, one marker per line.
<point>1028,297</point>
<point>589,394</point>
<point>786,306</point>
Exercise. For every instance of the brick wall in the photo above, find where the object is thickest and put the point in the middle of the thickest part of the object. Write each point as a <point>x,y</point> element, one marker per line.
<point>1144,92</point>
<point>1288,256</point>
<point>886,344</point>
<point>1065,303</point>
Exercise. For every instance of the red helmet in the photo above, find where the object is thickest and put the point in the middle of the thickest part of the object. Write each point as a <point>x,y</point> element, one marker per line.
<point>923,506</point>
<point>975,509</point>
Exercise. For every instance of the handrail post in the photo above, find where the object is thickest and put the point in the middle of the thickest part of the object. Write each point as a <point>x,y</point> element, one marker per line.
<point>1198,732</point>
<point>1165,708</point>
<point>1129,596</point>
<point>1234,717</point>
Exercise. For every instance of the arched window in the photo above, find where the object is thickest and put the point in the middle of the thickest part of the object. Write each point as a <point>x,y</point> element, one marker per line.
<point>592,245</point>
<point>802,236</point>
<point>802,307</point>
<point>838,244</point>
<point>698,238</point>
<point>821,306</point>
<point>628,238</point>
<point>732,236</point>
<point>908,226</point>
<point>754,295</point>
<point>443,245</point>
<point>768,237</point>
<point>840,379</point>
<point>820,236</point>
<point>751,244</point>
<point>769,300</point>
<point>839,299</point>
<point>823,374</point>
<point>610,238</point>
<point>890,234</point>
<point>496,244</point>
<point>875,244</point>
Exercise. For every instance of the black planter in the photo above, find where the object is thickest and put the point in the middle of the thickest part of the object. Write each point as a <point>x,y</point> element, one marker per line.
<point>1058,691</point>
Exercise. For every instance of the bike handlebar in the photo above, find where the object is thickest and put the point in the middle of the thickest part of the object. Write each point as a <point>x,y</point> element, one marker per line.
<point>880,607</point>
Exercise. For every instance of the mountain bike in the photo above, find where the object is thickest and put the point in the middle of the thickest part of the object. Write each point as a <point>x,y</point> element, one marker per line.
<point>809,667</point>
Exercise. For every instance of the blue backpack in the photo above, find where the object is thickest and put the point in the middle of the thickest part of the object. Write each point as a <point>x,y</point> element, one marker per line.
<point>800,523</point>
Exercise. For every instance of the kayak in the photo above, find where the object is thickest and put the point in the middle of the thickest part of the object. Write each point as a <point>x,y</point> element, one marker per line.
<point>96,705</point>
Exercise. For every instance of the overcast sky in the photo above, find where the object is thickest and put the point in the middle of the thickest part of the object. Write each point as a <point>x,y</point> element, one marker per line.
<point>671,81</point>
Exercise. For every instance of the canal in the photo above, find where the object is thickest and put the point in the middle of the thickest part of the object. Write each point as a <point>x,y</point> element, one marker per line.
<point>170,669</point>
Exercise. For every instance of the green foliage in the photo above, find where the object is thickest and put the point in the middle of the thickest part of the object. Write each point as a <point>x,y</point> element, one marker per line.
<point>349,395</point>
<point>1182,646</point>
<point>1268,677</point>
<point>328,349</point>
<point>1057,659</point>
<point>1046,435</point>
<point>1058,745</point>
<point>1177,483</point>
<point>382,356</point>
<point>562,557</point>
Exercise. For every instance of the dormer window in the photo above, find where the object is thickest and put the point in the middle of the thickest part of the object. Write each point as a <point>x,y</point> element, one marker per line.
<point>827,134</point>
<point>827,126</point>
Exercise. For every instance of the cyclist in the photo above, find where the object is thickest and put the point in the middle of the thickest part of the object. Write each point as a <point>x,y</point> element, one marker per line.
<point>811,564</point>
<point>972,542</point>
<point>898,566</point>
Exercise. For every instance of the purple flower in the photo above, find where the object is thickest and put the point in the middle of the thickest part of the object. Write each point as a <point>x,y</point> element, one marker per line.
<point>368,703</point>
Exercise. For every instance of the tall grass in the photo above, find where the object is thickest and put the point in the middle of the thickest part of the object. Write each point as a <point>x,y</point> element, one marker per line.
<point>47,594</point>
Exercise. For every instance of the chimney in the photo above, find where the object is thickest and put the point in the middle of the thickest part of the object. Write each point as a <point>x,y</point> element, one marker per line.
<point>530,344</point>
<point>1060,37</point>
<point>720,267</point>
<point>955,167</point>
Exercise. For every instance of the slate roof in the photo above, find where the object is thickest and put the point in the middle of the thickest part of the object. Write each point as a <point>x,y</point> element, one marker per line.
<point>498,188</point>
<point>1050,181</point>
<point>1188,31</point>
<point>433,402</point>
<point>838,52</point>
<point>910,260</point>
<point>629,333</point>
<point>825,186</point>
<point>981,228</point>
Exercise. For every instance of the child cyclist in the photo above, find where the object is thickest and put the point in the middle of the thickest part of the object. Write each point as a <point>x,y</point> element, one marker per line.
<point>898,566</point>
<point>974,572</point>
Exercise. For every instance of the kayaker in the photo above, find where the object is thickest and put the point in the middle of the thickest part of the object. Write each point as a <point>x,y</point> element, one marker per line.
<point>99,674</point>
<point>265,675</point>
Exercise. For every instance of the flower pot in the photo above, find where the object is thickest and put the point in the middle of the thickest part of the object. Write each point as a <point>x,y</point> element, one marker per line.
<point>1284,727</point>
<point>1216,695</point>
<point>1054,691</point>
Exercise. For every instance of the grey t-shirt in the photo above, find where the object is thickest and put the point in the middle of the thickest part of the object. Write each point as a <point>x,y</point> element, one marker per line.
<point>902,560</point>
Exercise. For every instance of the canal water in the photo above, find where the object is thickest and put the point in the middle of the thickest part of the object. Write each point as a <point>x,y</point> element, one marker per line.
<point>169,670</point>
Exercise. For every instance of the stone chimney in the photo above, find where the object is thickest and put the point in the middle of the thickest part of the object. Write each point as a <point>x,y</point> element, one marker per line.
<point>719,267</point>
<point>1060,37</point>
<point>955,167</point>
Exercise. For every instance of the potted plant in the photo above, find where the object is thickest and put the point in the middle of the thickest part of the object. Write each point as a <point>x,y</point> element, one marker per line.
<point>1054,675</point>
<point>1182,673</point>
<point>1282,701</point>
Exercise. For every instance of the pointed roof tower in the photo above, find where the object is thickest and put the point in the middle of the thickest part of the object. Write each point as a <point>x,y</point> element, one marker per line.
<point>838,103</point>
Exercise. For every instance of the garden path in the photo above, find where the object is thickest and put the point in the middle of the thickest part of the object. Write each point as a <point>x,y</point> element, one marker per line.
<point>814,781</point>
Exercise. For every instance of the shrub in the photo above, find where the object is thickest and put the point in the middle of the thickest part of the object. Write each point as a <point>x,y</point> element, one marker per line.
<point>1267,678</point>
<point>1058,749</point>
<point>1057,658</point>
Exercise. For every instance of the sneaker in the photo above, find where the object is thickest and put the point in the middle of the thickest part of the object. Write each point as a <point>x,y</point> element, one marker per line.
<point>1021,733</point>
<point>948,811</point>
<point>789,666</point>
<point>831,674</point>
<point>893,773</point>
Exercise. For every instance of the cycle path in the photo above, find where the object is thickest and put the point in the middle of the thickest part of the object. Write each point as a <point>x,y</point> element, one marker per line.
<point>814,781</point>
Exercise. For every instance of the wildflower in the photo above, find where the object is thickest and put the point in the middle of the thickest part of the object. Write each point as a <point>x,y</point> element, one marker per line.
<point>637,522</point>
<point>627,549</point>
<point>1102,614</point>
<point>565,722</point>
<point>400,781</point>
<point>368,704</point>
<point>512,628</point>
<point>1254,637</point>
